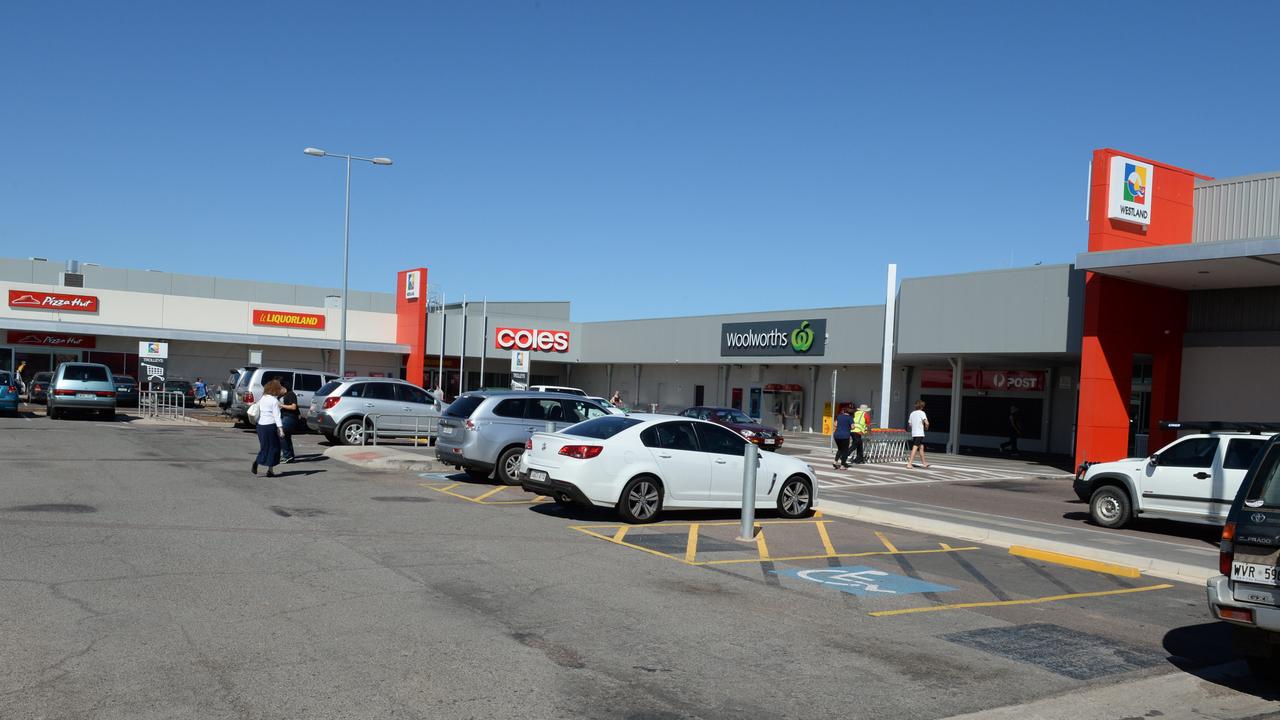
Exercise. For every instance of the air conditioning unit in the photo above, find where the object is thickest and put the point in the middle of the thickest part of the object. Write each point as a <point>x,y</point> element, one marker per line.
<point>71,279</point>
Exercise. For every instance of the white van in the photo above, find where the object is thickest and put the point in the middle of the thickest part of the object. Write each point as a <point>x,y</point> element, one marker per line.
<point>304,383</point>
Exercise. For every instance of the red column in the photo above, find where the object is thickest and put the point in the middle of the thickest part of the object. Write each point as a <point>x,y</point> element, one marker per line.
<point>411,322</point>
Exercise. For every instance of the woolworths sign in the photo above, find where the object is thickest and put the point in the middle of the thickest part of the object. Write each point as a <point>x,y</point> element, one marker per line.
<point>784,338</point>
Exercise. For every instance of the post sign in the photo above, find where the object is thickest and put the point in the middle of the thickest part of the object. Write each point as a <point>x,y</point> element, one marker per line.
<point>153,359</point>
<point>784,338</point>
<point>519,369</point>
<point>998,380</point>
<point>1129,190</point>
<point>33,300</point>
<point>285,318</point>
<point>32,337</point>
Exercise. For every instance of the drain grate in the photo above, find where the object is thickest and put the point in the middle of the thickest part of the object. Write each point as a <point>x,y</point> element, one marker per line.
<point>1077,655</point>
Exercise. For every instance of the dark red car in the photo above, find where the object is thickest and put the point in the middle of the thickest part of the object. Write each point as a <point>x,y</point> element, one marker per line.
<point>739,422</point>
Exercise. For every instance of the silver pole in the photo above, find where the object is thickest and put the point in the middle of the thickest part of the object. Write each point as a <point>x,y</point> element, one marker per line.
<point>831,439</point>
<point>747,531</point>
<point>886,360</point>
<point>462,351</point>
<point>443,318</point>
<point>346,245</point>
<point>484,339</point>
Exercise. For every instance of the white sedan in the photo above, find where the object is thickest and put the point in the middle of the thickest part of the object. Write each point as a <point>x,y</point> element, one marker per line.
<point>642,464</point>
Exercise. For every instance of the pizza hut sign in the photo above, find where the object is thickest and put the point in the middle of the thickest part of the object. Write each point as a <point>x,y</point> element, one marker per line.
<point>24,337</point>
<point>531,339</point>
<point>31,299</point>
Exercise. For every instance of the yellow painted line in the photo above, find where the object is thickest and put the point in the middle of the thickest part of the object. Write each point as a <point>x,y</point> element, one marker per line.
<point>691,548</point>
<point>435,485</point>
<point>761,546</point>
<point>944,546</point>
<point>826,540</point>
<point>888,545</point>
<point>1075,562</point>
<point>489,493</point>
<point>817,513</point>
<point>717,523</point>
<point>630,545</point>
<point>736,561</point>
<point>622,532</point>
<point>447,488</point>
<point>1028,601</point>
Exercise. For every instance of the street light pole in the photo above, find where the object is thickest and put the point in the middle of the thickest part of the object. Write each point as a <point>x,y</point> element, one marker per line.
<point>346,245</point>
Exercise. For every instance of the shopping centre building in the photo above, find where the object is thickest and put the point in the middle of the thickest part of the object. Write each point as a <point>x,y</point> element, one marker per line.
<point>1173,311</point>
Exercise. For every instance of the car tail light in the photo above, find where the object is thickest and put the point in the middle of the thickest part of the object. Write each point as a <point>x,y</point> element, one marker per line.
<point>470,425</point>
<point>528,444</point>
<point>581,452</point>
<point>1227,549</point>
<point>192,393</point>
<point>1244,615</point>
<point>331,401</point>
<point>64,392</point>
<point>248,397</point>
<point>105,393</point>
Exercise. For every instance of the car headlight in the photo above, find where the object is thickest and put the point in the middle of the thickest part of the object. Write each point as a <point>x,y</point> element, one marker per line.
<point>747,433</point>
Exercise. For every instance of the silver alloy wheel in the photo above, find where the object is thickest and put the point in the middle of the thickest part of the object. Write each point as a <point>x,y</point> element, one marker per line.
<point>795,497</point>
<point>1108,508</point>
<point>511,468</point>
<point>642,501</point>
<point>353,434</point>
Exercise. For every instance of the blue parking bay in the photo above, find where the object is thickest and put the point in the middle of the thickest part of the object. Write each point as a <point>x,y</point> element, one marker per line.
<point>863,581</point>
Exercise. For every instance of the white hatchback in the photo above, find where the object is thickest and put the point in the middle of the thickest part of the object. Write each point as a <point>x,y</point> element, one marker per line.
<point>643,464</point>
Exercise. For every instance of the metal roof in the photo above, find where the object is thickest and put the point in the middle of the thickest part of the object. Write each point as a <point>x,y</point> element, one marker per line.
<point>1239,208</point>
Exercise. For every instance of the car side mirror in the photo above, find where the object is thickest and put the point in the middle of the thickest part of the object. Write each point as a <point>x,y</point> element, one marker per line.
<point>1154,459</point>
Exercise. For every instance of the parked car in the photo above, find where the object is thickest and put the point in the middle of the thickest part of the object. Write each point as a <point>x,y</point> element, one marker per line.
<point>185,387</point>
<point>614,409</point>
<point>227,390</point>
<point>81,386</point>
<point>8,392</point>
<point>126,390</point>
<point>736,420</point>
<point>1247,593</point>
<point>486,432</point>
<point>557,389</point>
<point>38,388</point>
<point>643,464</point>
<point>250,381</point>
<point>339,408</point>
<point>1192,479</point>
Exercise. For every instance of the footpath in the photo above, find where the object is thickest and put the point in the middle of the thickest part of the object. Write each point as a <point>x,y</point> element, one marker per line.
<point>388,457</point>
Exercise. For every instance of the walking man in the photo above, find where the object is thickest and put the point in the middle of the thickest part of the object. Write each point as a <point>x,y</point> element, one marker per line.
<point>861,419</point>
<point>290,420</point>
<point>1015,431</point>
<point>842,433</point>
<point>919,423</point>
<point>202,391</point>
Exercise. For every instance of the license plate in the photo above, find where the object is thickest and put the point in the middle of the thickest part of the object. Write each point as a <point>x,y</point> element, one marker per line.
<point>1254,573</point>
<point>84,395</point>
<point>539,475</point>
<point>768,442</point>
<point>446,430</point>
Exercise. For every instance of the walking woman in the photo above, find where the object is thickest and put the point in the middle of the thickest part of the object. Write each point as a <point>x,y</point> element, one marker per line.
<point>270,427</point>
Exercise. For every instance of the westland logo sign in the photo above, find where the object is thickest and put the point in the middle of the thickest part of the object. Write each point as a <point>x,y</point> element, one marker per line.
<point>280,318</point>
<point>774,339</point>
<point>1129,190</point>
<point>30,299</point>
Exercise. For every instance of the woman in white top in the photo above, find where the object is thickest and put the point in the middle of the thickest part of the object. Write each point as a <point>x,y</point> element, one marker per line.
<point>919,423</point>
<point>270,427</point>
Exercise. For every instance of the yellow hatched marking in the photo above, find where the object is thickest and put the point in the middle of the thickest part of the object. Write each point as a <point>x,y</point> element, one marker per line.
<point>1075,562</point>
<point>944,546</point>
<point>826,540</point>
<point>887,545</point>
<point>691,548</point>
<point>735,561</point>
<point>489,493</point>
<point>1028,601</point>
<point>633,546</point>
<point>622,532</point>
<point>761,547</point>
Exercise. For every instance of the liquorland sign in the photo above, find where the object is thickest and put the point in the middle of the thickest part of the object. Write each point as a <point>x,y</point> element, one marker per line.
<point>34,300</point>
<point>505,338</point>
<point>784,338</point>
<point>1129,190</point>
<point>283,318</point>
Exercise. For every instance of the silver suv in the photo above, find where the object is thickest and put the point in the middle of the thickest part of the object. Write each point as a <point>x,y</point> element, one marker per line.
<point>485,432</point>
<point>304,383</point>
<point>81,386</point>
<point>395,407</point>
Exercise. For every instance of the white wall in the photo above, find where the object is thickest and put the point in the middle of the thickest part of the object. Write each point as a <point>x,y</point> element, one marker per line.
<point>1230,383</point>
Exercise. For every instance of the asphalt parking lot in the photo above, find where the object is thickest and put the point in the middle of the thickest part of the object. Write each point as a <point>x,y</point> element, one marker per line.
<point>146,573</point>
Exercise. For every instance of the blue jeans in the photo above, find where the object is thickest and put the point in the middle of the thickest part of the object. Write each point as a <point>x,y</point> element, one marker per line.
<point>268,445</point>
<point>286,443</point>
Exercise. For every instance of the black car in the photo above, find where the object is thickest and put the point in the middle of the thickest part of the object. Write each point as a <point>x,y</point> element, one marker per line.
<point>185,387</point>
<point>126,390</point>
<point>38,388</point>
<point>1247,593</point>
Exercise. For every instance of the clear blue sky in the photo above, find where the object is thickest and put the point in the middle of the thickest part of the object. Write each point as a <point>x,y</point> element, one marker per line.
<point>639,159</point>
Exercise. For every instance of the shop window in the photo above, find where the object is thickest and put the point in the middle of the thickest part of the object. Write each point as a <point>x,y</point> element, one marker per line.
<point>988,416</point>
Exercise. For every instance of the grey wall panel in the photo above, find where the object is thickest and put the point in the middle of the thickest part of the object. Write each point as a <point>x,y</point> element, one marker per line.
<point>13,270</point>
<point>1022,310</point>
<point>46,273</point>
<point>1235,310</point>
<point>151,282</point>
<point>1243,208</point>
<point>105,278</point>
<point>193,285</point>
<point>228,289</point>
<point>275,293</point>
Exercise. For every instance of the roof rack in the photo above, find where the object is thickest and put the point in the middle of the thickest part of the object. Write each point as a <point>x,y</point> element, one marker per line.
<point>1254,428</point>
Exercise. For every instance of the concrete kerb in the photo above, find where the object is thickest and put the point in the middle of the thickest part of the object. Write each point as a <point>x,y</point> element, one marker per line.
<point>1181,572</point>
<point>385,458</point>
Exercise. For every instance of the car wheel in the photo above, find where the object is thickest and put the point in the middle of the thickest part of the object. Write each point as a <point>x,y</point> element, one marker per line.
<point>351,432</point>
<point>795,499</point>
<point>1110,507</point>
<point>641,500</point>
<point>478,474</point>
<point>508,470</point>
<point>333,439</point>
<point>52,413</point>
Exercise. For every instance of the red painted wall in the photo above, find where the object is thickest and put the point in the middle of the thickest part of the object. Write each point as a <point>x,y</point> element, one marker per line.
<point>1123,318</point>
<point>411,325</point>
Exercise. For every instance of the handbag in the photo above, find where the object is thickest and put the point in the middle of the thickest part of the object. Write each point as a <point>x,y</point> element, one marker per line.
<point>254,412</point>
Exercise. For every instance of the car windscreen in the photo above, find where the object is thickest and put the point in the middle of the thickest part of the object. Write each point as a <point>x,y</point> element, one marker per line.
<point>735,416</point>
<point>124,379</point>
<point>327,388</point>
<point>1264,490</point>
<point>601,428</point>
<point>464,406</point>
<point>85,373</point>
<point>43,377</point>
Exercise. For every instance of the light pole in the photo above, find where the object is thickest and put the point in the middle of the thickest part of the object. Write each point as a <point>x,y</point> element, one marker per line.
<point>346,245</point>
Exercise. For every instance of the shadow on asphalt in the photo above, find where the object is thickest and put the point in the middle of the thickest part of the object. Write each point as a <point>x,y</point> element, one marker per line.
<point>1207,652</point>
<point>1208,534</point>
<point>594,514</point>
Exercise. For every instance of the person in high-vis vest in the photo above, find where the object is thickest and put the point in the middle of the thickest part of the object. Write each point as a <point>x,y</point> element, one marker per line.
<point>861,420</point>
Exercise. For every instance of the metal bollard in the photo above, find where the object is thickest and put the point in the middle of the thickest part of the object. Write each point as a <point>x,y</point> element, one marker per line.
<point>551,427</point>
<point>749,461</point>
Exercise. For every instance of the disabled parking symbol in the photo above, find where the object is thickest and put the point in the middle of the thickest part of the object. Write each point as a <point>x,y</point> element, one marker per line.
<point>864,581</point>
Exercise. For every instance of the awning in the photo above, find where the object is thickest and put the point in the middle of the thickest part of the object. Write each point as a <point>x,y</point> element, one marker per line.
<point>1198,266</point>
